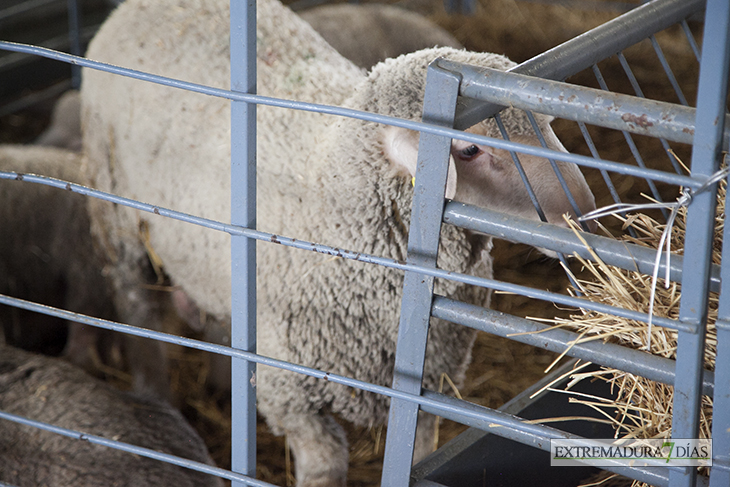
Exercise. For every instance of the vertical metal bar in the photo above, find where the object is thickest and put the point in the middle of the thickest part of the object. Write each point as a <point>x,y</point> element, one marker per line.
<point>74,39</point>
<point>630,74</point>
<point>630,141</point>
<point>720,473</point>
<point>468,7</point>
<point>668,71</point>
<point>243,250</point>
<point>717,38</point>
<point>709,125</point>
<point>521,171</point>
<point>556,170</point>
<point>442,88</point>
<point>463,7</point>
<point>594,152</point>
<point>604,173</point>
<point>691,39</point>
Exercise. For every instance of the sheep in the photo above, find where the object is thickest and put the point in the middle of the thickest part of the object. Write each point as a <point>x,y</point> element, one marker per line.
<point>369,34</point>
<point>343,182</point>
<point>65,128</point>
<point>53,391</point>
<point>373,33</point>
<point>48,257</point>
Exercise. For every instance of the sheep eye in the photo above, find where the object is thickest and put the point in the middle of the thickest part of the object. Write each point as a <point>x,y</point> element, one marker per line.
<point>470,151</point>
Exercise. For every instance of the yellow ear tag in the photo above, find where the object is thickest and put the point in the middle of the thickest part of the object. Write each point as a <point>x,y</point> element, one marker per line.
<point>413,181</point>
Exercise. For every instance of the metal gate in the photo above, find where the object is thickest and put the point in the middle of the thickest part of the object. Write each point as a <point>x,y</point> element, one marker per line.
<point>535,85</point>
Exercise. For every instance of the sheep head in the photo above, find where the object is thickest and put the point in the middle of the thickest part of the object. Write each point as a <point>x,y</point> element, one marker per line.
<point>485,176</point>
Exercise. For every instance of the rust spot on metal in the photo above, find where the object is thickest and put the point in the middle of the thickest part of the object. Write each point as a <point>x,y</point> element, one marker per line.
<point>641,121</point>
<point>156,211</point>
<point>572,98</point>
<point>68,187</point>
<point>326,376</point>
<point>274,239</point>
<point>19,177</point>
<point>688,130</point>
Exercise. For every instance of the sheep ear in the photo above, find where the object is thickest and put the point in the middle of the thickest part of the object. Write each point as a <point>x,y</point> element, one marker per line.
<point>401,148</point>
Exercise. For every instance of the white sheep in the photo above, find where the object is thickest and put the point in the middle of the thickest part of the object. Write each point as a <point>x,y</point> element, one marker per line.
<point>342,182</point>
<point>373,33</point>
<point>369,34</point>
<point>53,391</point>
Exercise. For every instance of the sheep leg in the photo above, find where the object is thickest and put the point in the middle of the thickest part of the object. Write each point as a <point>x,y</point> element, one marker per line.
<point>320,450</point>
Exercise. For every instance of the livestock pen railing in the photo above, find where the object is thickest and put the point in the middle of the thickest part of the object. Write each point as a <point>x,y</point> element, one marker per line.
<point>526,87</point>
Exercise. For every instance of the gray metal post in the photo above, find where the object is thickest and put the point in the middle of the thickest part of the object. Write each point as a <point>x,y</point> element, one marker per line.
<point>442,88</point>
<point>243,250</point>
<point>711,103</point>
<point>720,473</point>
<point>717,40</point>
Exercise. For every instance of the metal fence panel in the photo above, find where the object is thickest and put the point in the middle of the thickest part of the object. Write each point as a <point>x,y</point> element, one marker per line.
<point>488,90</point>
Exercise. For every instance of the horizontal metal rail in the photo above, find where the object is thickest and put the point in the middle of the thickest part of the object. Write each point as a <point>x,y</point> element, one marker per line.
<point>617,253</point>
<point>224,350</point>
<point>438,406</point>
<point>347,254</point>
<point>587,49</point>
<point>603,108</point>
<point>558,340</point>
<point>665,177</point>
<point>137,450</point>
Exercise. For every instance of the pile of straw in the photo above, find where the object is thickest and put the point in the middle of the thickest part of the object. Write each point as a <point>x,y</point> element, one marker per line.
<point>642,408</point>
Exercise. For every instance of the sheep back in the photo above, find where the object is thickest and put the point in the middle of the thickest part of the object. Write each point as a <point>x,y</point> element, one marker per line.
<point>154,132</point>
<point>53,391</point>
